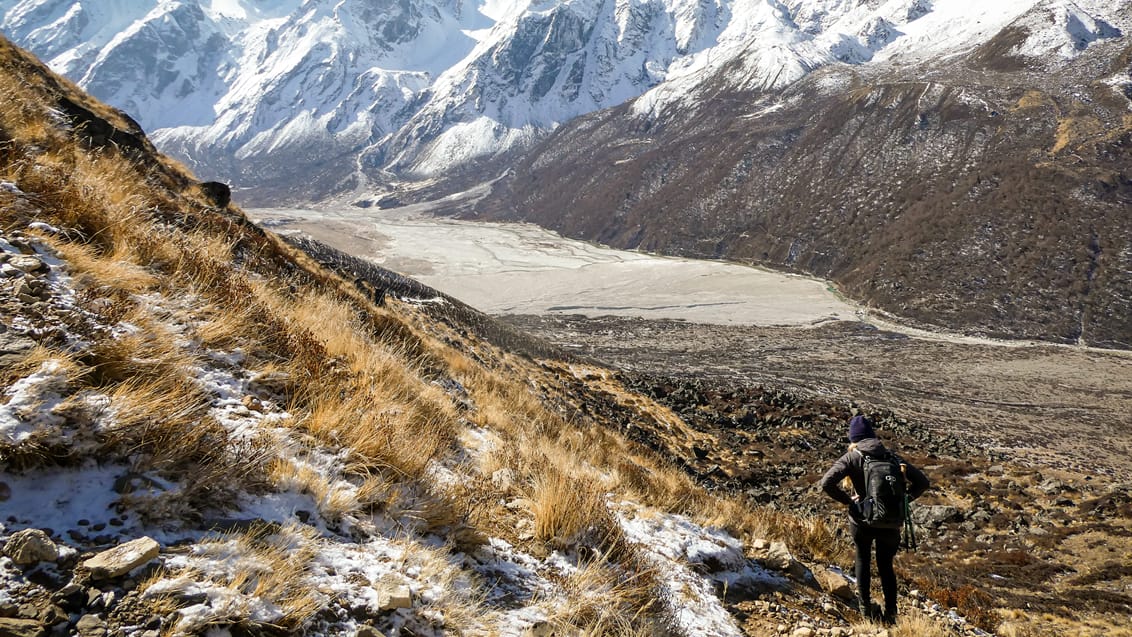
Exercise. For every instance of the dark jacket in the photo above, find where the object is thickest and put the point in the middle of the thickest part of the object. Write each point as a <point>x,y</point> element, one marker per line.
<point>852,464</point>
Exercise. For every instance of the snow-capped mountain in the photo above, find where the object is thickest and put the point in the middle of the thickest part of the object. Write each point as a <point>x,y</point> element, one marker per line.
<point>322,95</point>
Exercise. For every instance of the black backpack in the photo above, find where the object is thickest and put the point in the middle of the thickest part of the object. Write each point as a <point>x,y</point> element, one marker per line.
<point>883,504</point>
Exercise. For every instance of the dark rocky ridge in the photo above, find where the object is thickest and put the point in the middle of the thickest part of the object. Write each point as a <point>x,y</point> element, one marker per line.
<point>974,196</point>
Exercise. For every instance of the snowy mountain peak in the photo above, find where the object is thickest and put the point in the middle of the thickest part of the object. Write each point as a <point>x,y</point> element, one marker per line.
<point>361,90</point>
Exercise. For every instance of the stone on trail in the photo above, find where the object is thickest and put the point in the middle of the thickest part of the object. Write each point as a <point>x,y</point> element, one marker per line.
<point>122,559</point>
<point>778,556</point>
<point>31,546</point>
<point>833,583</point>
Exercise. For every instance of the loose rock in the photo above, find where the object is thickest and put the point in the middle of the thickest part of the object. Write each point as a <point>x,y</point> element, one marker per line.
<point>394,598</point>
<point>91,626</point>
<point>27,263</point>
<point>539,629</point>
<point>833,583</point>
<point>31,546</point>
<point>122,559</point>
<point>778,556</point>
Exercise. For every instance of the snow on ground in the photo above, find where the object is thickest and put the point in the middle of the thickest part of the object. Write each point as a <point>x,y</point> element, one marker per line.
<point>682,550</point>
<point>507,268</point>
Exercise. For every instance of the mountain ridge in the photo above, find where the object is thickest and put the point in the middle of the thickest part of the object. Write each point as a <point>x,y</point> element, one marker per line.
<point>966,195</point>
<point>357,97</point>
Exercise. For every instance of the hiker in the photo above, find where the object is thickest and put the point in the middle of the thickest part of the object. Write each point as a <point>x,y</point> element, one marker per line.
<point>870,520</point>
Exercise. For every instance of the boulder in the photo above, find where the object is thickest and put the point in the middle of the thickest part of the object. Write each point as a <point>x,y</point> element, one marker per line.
<point>13,347</point>
<point>935,515</point>
<point>31,546</point>
<point>833,583</point>
<point>218,193</point>
<point>778,557</point>
<point>539,629</point>
<point>90,626</point>
<point>27,263</point>
<point>395,597</point>
<point>122,559</point>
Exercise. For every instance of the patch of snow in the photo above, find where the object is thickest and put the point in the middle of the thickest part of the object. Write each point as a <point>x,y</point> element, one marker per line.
<point>30,401</point>
<point>1061,28</point>
<point>58,499</point>
<point>44,227</point>
<point>675,544</point>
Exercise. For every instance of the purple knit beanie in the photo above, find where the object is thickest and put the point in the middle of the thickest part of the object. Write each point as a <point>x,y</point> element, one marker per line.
<point>860,428</point>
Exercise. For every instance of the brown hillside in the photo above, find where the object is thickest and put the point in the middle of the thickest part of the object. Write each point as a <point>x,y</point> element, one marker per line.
<point>987,200</point>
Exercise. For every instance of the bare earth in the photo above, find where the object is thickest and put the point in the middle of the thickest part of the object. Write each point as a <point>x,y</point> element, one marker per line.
<point>1048,405</point>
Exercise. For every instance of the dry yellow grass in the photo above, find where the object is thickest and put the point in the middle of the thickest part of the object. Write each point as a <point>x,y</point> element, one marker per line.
<point>911,623</point>
<point>263,564</point>
<point>1073,131</point>
<point>565,508</point>
<point>603,597</point>
<point>113,277</point>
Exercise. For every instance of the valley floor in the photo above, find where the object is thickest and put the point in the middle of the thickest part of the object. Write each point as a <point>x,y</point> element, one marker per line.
<point>1044,405</point>
<point>1050,405</point>
<point>503,268</point>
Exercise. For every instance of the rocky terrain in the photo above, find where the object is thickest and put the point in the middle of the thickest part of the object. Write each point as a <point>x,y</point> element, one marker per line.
<point>206,429</point>
<point>1028,455</point>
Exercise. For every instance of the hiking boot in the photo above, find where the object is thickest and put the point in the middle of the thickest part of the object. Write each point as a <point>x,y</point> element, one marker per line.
<point>870,611</point>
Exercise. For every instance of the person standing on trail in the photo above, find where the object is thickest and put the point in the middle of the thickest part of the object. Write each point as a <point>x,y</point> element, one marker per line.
<point>883,484</point>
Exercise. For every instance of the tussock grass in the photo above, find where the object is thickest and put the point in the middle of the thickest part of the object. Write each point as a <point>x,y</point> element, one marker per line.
<point>59,377</point>
<point>566,508</point>
<point>113,277</point>
<point>34,360</point>
<point>146,354</point>
<point>603,597</point>
<point>334,499</point>
<point>264,564</point>
<point>911,623</point>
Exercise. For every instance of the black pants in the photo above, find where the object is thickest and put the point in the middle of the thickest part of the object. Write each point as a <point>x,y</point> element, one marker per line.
<point>887,543</point>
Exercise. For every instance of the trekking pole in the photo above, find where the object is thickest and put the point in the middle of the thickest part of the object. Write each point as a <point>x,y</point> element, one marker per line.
<point>909,529</point>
